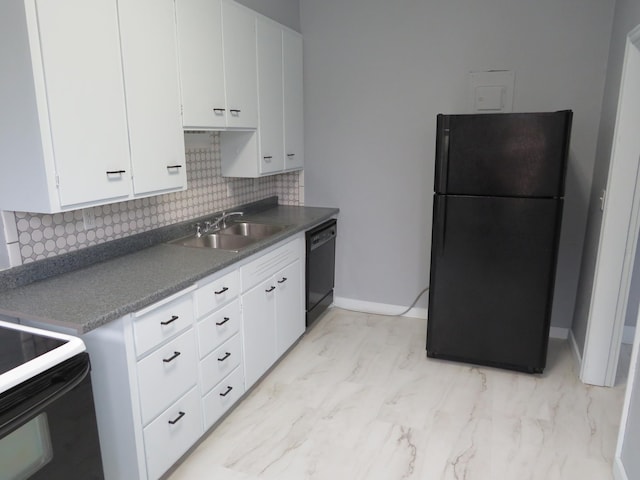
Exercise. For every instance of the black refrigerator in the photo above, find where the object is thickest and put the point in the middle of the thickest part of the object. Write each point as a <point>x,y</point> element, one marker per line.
<point>498,196</point>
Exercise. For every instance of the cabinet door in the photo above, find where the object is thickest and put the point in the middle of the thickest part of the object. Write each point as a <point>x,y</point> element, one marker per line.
<point>293,101</point>
<point>150,62</point>
<point>201,63</point>
<point>258,310</point>
<point>239,47</point>
<point>270,107</point>
<point>85,98</point>
<point>290,321</point>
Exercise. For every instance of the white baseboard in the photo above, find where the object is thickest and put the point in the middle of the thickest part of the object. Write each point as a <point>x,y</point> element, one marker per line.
<point>628,334</point>
<point>619,472</point>
<point>558,332</point>
<point>574,348</point>
<point>377,308</point>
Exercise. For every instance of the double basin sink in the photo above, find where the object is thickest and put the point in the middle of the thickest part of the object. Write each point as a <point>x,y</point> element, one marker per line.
<point>233,238</point>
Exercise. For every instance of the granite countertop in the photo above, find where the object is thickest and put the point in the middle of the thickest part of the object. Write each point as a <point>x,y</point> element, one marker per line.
<point>89,297</point>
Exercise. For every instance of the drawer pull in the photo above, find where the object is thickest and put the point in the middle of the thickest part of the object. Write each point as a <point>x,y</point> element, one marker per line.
<point>227,392</point>
<point>271,289</point>
<point>222,291</point>
<point>284,279</point>
<point>219,110</point>
<point>115,172</point>
<point>226,319</point>
<point>234,111</point>
<point>226,355</point>
<point>291,154</point>
<point>171,320</point>
<point>169,167</point>
<point>177,419</point>
<point>171,358</point>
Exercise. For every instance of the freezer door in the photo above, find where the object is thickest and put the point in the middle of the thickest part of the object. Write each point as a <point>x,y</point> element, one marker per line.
<point>509,154</point>
<point>492,275</point>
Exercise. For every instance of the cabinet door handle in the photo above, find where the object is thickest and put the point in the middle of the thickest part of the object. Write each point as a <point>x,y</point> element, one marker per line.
<point>171,320</point>
<point>268,159</point>
<point>226,355</point>
<point>219,110</point>
<point>115,172</point>
<point>271,289</point>
<point>171,358</point>
<point>291,154</point>
<point>234,111</point>
<point>284,279</point>
<point>177,419</point>
<point>226,319</point>
<point>227,392</point>
<point>169,167</point>
<point>220,292</point>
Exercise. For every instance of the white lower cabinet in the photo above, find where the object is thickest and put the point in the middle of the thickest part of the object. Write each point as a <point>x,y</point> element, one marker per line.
<point>173,433</point>
<point>273,310</point>
<point>259,330</point>
<point>166,374</point>
<point>222,397</point>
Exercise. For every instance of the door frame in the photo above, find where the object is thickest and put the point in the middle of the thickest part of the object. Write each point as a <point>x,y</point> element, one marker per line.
<point>618,232</point>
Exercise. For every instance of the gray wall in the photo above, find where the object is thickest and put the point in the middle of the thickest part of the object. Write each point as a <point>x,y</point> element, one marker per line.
<point>627,16</point>
<point>376,74</point>
<point>286,12</point>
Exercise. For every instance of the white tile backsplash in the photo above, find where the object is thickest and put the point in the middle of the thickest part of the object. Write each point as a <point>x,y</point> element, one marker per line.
<point>45,235</point>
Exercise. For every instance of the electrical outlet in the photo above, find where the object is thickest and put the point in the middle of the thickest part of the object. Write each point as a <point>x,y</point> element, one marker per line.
<point>89,218</point>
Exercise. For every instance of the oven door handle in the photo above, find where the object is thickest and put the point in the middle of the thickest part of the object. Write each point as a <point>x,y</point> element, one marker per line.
<point>25,401</point>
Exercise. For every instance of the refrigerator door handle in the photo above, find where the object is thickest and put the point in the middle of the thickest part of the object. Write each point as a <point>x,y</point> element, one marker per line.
<point>441,226</point>
<point>442,154</point>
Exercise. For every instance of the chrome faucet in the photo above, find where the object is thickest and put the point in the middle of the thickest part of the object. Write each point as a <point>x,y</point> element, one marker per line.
<point>221,221</point>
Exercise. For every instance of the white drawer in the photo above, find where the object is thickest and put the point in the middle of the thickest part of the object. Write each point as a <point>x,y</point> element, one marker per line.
<point>218,327</point>
<point>161,323</point>
<point>170,435</point>
<point>220,363</point>
<point>222,397</point>
<point>166,374</point>
<point>261,268</point>
<point>214,294</point>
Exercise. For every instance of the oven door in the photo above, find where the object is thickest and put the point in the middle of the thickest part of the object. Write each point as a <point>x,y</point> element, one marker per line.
<point>48,427</point>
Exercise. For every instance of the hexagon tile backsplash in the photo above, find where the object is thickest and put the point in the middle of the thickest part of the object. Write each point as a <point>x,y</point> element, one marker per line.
<point>46,235</point>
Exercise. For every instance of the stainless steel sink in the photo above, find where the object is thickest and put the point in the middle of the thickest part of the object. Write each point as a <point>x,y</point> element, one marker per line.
<point>232,238</point>
<point>232,243</point>
<point>254,230</point>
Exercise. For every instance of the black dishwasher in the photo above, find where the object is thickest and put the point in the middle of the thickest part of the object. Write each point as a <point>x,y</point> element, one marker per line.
<point>320,271</point>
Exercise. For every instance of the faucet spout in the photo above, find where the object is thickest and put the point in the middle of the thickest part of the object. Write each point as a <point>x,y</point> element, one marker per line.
<point>221,221</point>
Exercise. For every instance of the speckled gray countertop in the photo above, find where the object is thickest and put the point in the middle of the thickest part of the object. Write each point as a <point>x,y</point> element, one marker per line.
<point>89,297</point>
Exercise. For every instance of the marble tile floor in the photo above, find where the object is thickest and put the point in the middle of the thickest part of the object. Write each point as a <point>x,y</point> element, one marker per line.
<point>357,399</point>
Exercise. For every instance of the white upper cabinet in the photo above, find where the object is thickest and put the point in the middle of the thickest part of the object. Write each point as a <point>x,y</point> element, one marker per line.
<point>293,100</point>
<point>201,64</point>
<point>72,119</point>
<point>278,145</point>
<point>217,58</point>
<point>239,49</point>
<point>270,102</point>
<point>63,135</point>
<point>150,62</point>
